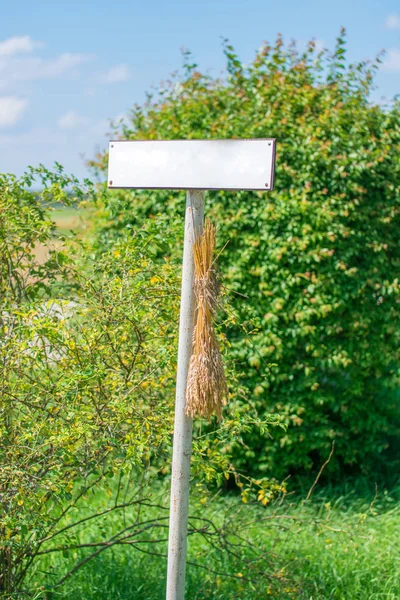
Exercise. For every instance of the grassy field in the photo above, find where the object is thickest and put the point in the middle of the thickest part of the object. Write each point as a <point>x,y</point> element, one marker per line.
<point>67,219</point>
<point>342,548</point>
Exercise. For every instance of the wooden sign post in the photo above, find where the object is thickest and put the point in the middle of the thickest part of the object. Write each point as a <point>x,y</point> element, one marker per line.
<point>194,165</point>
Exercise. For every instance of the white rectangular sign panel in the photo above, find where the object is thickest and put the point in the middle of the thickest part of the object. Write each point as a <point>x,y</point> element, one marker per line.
<point>192,164</point>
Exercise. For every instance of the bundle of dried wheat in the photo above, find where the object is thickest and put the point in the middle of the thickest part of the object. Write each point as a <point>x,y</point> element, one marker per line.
<point>206,391</point>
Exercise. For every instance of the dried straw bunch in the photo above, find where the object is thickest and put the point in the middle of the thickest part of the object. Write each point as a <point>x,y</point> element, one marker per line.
<point>206,391</point>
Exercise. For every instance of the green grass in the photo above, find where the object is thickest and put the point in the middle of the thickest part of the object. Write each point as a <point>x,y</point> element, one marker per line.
<point>68,218</point>
<point>344,549</point>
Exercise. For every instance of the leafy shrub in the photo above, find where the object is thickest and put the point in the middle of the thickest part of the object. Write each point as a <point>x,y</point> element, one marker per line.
<point>314,266</point>
<point>87,381</point>
<point>81,362</point>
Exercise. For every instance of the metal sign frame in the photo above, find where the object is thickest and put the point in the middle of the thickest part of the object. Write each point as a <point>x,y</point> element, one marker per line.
<point>238,164</point>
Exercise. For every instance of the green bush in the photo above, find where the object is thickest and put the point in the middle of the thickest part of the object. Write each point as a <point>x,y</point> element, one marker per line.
<point>81,368</point>
<point>313,267</point>
<point>88,344</point>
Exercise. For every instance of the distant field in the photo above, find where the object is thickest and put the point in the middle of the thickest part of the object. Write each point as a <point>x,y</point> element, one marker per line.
<point>67,219</point>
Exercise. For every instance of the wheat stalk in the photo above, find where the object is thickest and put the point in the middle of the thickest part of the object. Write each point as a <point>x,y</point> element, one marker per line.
<point>206,391</point>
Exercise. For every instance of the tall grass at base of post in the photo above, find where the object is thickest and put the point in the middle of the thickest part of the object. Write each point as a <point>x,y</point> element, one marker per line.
<point>336,547</point>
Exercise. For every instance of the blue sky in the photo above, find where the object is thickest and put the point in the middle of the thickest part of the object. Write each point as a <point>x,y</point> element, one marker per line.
<point>67,67</point>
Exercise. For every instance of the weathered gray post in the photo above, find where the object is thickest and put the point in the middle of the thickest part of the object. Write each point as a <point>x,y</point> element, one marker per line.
<point>178,520</point>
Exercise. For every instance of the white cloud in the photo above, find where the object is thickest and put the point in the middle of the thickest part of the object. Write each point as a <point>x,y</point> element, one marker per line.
<point>32,68</point>
<point>392,60</point>
<point>116,74</point>
<point>11,110</point>
<point>393,22</point>
<point>18,45</point>
<point>71,120</point>
<point>15,68</point>
<point>54,68</point>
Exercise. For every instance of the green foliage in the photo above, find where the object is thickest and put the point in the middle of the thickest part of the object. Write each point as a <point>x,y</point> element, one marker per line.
<point>88,343</point>
<point>81,373</point>
<point>313,268</point>
<point>24,225</point>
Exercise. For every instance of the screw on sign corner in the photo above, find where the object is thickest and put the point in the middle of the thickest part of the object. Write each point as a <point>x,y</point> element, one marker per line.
<point>110,182</point>
<point>267,185</point>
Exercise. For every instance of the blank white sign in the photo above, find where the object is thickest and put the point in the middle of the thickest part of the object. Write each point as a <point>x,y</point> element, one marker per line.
<point>192,164</point>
